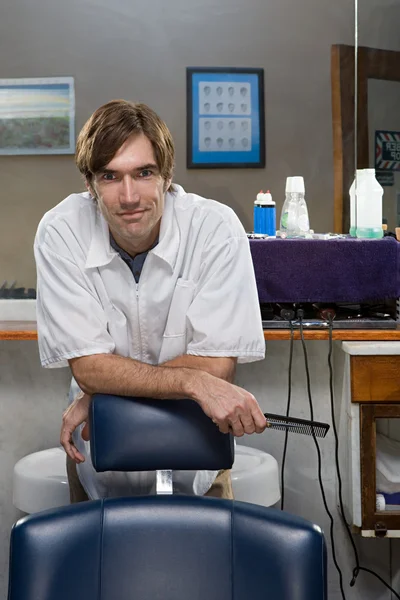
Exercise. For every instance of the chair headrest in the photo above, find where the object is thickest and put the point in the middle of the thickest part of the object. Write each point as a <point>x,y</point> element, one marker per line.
<point>142,434</point>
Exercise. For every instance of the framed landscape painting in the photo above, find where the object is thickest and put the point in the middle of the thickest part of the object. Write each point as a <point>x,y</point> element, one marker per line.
<point>37,116</point>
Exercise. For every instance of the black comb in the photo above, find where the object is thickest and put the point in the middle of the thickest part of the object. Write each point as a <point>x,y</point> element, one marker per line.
<point>297,425</point>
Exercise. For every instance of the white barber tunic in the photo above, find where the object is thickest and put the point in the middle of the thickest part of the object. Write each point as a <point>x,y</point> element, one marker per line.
<point>196,295</point>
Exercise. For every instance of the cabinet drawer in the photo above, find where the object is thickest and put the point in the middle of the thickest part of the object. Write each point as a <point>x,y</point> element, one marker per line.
<point>375,378</point>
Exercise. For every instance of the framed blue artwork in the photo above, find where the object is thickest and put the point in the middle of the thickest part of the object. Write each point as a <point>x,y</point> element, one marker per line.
<point>225,118</point>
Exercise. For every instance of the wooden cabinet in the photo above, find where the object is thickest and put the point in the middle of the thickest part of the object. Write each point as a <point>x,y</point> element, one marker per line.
<point>375,378</point>
<point>374,394</point>
<point>386,522</point>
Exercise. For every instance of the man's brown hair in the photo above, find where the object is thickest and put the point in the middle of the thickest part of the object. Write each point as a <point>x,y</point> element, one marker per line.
<point>110,126</point>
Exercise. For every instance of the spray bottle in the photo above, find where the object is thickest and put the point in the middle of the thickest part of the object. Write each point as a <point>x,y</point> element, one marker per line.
<point>294,217</point>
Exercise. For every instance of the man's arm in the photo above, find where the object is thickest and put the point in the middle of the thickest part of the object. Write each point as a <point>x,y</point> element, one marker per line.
<point>230,407</point>
<point>114,374</point>
<point>222,367</point>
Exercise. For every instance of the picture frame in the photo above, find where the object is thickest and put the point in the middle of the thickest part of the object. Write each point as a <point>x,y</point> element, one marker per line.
<point>387,150</point>
<point>37,116</point>
<point>225,118</point>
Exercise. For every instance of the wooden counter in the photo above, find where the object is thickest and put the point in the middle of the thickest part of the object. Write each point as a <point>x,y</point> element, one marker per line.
<point>26,330</point>
<point>18,330</point>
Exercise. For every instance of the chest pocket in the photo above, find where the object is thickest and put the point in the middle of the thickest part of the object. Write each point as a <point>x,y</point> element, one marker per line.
<point>180,303</point>
<point>174,342</point>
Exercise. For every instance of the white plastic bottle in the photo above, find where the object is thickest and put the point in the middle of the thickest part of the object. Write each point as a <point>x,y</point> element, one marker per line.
<point>294,216</point>
<point>380,502</point>
<point>369,194</point>
<point>352,193</point>
<point>257,213</point>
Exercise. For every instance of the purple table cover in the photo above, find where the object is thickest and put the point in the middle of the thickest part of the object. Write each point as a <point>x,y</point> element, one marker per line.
<point>335,270</point>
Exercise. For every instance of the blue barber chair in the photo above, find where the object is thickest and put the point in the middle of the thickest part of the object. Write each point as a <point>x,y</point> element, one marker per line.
<point>164,547</point>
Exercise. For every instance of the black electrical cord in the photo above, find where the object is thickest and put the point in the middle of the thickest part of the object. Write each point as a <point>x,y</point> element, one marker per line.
<point>289,315</point>
<point>357,568</point>
<point>287,413</point>
<point>300,315</point>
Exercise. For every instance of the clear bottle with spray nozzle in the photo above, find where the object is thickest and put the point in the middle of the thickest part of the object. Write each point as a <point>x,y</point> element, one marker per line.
<point>294,216</point>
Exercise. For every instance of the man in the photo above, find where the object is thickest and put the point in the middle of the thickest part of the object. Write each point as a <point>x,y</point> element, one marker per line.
<point>144,290</point>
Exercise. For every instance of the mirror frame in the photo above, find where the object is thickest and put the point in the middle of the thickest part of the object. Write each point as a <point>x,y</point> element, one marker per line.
<point>373,63</point>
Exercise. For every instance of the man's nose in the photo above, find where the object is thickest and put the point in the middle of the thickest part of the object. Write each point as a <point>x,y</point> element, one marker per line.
<point>130,191</point>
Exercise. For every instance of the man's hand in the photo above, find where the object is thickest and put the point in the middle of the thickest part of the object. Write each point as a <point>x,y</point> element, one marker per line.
<point>230,407</point>
<point>76,414</point>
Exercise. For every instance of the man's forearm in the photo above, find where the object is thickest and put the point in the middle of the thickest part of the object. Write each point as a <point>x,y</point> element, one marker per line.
<point>231,408</point>
<point>113,374</point>
<point>222,367</point>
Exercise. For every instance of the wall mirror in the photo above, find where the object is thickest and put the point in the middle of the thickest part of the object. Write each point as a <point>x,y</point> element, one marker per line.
<point>371,75</point>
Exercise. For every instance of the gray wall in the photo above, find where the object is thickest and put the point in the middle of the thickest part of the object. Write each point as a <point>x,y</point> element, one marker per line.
<point>139,50</point>
<point>379,24</point>
<point>383,109</point>
<point>32,401</point>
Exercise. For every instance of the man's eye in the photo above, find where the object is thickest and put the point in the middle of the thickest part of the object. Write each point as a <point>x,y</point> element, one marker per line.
<point>108,176</point>
<point>145,173</point>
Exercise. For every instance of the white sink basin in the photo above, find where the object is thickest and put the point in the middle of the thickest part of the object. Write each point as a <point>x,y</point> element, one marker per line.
<point>255,476</point>
<point>40,479</point>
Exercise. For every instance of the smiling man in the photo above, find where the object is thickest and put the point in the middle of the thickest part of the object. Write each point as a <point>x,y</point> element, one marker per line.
<point>144,290</point>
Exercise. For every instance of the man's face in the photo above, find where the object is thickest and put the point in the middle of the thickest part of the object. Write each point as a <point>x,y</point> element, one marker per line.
<point>130,192</point>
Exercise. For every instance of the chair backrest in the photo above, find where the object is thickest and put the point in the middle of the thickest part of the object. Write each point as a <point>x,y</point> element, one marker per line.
<point>141,434</point>
<point>166,548</point>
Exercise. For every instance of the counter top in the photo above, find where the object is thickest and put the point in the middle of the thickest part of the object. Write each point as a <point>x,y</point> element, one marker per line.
<point>18,330</point>
<point>349,335</point>
<point>26,330</point>
<point>18,322</point>
<point>371,348</point>
<point>17,310</point>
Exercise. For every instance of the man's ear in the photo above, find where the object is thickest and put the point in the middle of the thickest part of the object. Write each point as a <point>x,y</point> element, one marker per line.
<point>90,189</point>
<point>167,184</point>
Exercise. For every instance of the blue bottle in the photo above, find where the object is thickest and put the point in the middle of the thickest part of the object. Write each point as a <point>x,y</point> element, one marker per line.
<point>264,214</point>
